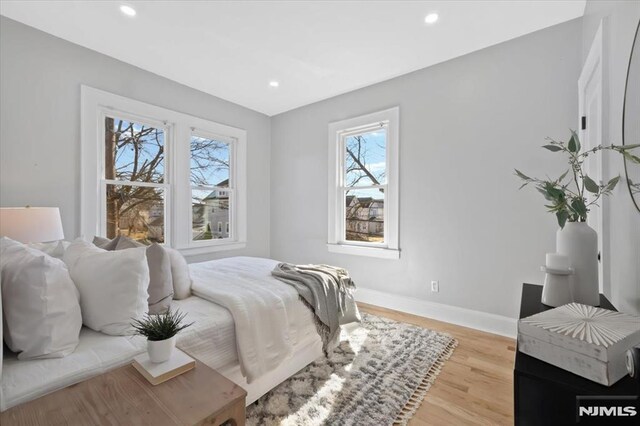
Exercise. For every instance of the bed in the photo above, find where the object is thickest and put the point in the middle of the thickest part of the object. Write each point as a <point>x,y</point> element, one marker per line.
<point>265,333</point>
<point>248,326</point>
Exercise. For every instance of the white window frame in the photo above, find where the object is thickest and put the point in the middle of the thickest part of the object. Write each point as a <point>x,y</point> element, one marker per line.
<point>338,131</point>
<point>162,125</point>
<point>95,104</point>
<point>228,191</point>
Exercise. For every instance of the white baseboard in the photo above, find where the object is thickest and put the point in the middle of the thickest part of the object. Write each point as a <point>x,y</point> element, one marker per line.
<point>483,321</point>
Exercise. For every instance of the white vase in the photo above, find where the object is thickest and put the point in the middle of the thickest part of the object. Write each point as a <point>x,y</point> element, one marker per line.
<point>579,242</point>
<point>160,350</point>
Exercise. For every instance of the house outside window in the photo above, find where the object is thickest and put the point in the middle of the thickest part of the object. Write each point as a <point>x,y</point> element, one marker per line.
<point>161,176</point>
<point>212,186</point>
<point>363,189</point>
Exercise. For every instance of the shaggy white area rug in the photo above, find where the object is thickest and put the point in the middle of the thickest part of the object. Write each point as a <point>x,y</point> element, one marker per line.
<point>378,375</point>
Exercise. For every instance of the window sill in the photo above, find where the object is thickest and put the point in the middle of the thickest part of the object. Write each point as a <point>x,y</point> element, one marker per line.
<point>234,245</point>
<point>379,252</point>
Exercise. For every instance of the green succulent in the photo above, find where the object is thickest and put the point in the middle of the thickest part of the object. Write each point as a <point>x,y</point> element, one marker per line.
<point>161,326</point>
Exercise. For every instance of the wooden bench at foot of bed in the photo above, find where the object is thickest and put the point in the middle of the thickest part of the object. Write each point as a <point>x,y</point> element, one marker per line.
<point>198,397</point>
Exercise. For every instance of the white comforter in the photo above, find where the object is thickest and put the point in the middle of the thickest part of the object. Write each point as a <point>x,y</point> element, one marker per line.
<point>269,318</point>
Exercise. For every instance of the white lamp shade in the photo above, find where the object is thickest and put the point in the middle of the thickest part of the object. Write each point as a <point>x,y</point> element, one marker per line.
<point>31,224</point>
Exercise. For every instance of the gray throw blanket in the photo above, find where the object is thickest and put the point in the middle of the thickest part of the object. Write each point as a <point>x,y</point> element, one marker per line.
<point>328,292</point>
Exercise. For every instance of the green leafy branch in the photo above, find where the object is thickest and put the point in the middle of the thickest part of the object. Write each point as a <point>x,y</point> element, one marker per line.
<point>567,195</point>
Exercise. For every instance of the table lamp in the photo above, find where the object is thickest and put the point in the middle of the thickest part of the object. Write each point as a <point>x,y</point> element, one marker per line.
<point>31,224</point>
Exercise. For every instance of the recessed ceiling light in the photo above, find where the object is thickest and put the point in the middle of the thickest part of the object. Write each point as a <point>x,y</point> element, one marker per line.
<point>127,10</point>
<point>274,83</point>
<point>431,18</point>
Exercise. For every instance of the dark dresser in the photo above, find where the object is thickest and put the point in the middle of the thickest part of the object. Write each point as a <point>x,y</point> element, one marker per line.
<point>546,395</point>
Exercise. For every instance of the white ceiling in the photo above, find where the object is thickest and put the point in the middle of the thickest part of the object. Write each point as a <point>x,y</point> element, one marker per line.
<point>315,49</point>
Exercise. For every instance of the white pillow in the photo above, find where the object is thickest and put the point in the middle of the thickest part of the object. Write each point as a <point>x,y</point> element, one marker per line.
<point>40,303</point>
<point>179,268</point>
<point>54,249</point>
<point>180,274</point>
<point>113,285</point>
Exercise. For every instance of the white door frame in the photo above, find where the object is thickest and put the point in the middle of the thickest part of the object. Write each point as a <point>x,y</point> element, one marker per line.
<point>593,73</point>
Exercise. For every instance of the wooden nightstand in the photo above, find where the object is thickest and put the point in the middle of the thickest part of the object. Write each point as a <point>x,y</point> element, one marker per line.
<point>201,396</point>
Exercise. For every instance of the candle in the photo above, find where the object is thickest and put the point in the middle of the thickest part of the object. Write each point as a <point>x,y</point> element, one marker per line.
<point>557,261</point>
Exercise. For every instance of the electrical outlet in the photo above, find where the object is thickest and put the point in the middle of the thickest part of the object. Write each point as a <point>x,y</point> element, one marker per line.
<point>435,286</point>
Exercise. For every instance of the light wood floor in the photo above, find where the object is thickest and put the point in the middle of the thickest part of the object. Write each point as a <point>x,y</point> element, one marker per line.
<point>475,385</point>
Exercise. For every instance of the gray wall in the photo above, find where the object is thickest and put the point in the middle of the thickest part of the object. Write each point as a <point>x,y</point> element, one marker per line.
<point>40,78</point>
<point>620,23</point>
<point>464,125</point>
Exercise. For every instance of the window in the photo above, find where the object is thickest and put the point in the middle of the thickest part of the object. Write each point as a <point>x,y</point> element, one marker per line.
<point>157,175</point>
<point>211,186</point>
<point>134,183</point>
<point>363,193</point>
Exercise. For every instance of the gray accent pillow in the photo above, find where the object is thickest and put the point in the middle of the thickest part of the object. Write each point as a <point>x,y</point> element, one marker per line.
<point>160,279</point>
<point>101,242</point>
<point>123,243</point>
<point>111,245</point>
<point>120,242</point>
<point>160,276</point>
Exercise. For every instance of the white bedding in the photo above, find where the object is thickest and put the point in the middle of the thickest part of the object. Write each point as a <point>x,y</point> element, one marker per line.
<point>212,337</point>
<point>269,318</point>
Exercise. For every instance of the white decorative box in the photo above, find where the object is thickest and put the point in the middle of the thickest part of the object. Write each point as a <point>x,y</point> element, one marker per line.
<point>587,341</point>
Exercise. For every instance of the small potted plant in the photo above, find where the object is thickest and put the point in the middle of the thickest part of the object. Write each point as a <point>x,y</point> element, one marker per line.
<point>160,331</point>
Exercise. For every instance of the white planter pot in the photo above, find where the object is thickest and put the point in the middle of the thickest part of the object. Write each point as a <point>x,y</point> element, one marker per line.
<point>579,242</point>
<point>160,351</point>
